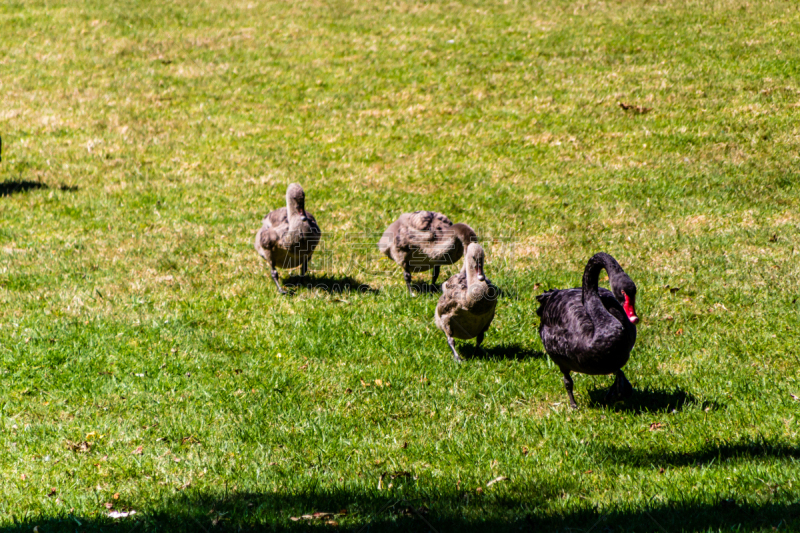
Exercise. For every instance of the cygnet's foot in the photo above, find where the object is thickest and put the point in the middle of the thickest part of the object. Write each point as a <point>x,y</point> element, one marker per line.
<point>452,344</point>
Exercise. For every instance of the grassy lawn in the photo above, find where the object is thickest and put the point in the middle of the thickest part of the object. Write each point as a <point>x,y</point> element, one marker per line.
<point>147,362</point>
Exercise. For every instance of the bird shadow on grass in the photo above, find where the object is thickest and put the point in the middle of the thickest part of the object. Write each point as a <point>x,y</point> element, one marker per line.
<point>712,451</point>
<point>514,352</point>
<point>331,285</point>
<point>417,511</point>
<point>11,187</point>
<point>649,400</point>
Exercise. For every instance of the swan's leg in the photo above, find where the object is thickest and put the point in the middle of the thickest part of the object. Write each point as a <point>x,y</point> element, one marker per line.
<point>453,347</point>
<point>275,279</point>
<point>407,277</point>
<point>435,276</point>
<point>478,342</point>
<point>568,386</point>
<point>621,388</point>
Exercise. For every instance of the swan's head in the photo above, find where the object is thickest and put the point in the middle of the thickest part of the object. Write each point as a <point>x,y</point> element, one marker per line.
<point>296,201</point>
<point>626,295</point>
<point>473,262</point>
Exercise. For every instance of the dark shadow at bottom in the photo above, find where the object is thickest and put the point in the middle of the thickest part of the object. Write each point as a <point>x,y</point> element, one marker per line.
<point>497,510</point>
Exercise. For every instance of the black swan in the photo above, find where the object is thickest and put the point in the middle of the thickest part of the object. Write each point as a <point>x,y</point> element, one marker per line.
<point>425,240</point>
<point>591,331</point>
<point>466,306</point>
<point>288,235</point>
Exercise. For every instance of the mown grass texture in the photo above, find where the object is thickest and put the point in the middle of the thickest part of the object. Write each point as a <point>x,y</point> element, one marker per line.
<point>148,363</point>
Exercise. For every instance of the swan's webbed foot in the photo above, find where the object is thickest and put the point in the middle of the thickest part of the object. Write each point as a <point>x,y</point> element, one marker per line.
<point>568,386</point>
<point>407,277</point>
<point>453,347</point>
<point>620,390</point>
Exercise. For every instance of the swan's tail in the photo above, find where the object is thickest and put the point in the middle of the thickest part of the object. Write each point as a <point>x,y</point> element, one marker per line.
<point>543,299</point>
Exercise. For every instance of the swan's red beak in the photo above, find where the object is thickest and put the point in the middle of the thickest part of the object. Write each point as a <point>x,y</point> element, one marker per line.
<point>630,310</point>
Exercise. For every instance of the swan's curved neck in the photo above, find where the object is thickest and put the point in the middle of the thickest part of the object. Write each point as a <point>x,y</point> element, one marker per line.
<point>600,316</point>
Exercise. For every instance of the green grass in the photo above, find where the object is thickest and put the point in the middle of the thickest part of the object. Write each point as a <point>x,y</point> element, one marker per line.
<point>144,141</point>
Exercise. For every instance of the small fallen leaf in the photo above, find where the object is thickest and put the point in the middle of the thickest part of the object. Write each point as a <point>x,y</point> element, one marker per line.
<point>81,447</point>
<point>109,505</point>
<point>405,445</point>
<point>52,492</point>
<point>23,477</point>
<point>524,450</point>
<point>588,471</point>
<point>294,518</point>
<point>479,490</point>
<point>673,290</point>
<point>333,523</point>
<point>496,480</point>
<point>304,367</point>
<point>115,496</point>
<point>774,238</point>
<point>635,108</point>
<point>138,451</point>
<point>679,332</point>
<point>378,383</point>
<point>660,470</point>
<point>668,317</point>
<point>656,426</point>
<point>796,397</point>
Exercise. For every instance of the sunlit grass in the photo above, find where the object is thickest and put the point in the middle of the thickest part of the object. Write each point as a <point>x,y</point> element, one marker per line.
<point>143,142</point>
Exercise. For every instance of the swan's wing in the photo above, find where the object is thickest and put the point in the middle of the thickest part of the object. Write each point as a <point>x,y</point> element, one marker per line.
<point>275,218</point>
<point>564,320</point>
<point>453,291</point>
<point>274,225</point>
<point>431,233</point>
<point>427,221</point>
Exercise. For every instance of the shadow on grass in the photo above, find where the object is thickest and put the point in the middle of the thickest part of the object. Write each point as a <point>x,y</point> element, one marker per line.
<point>7,188</point>
<point>711,452</point>
<point>330,285</point>
<point>650,401</point>
<point>495,511</point>
<point>502,351</point>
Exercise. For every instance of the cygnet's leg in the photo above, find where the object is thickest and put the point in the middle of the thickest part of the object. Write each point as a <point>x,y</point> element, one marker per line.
<point>407,277</point>
<point>478,342</point>
<point>621,388</point>
<point>275,279</point>
<point>453,347</point>
<point>304,266</point>
<point>435,277</point>
<point>568,386</point>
